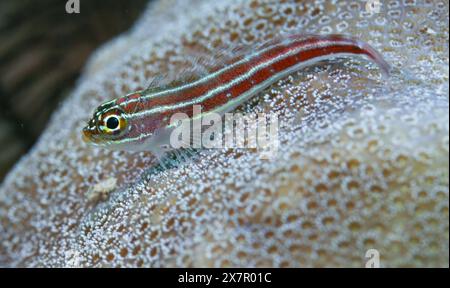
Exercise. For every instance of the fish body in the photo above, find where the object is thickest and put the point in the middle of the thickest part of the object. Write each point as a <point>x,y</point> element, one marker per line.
<point>140,121</point>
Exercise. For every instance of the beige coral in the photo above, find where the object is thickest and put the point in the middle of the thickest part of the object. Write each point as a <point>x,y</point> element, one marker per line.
<point>363,161</point>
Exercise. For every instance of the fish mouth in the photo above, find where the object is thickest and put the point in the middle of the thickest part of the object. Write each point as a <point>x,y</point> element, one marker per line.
<point>88,135</point>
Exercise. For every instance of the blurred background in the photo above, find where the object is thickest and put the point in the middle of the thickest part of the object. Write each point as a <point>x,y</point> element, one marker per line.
<point>42,51</point>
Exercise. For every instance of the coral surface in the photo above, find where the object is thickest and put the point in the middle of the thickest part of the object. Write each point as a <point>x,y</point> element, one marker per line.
<point>362,162</point>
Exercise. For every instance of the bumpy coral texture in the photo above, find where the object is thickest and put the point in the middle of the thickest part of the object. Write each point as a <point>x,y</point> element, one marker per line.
<point>362,162</point>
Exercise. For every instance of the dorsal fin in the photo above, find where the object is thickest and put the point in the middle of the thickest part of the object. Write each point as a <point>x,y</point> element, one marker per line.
<point>199,60</point>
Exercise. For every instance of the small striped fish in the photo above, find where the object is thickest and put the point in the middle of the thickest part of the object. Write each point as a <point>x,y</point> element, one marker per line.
<point>140,121</point>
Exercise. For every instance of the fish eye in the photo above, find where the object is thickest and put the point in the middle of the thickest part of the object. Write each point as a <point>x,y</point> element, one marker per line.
<point>112,122</point>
